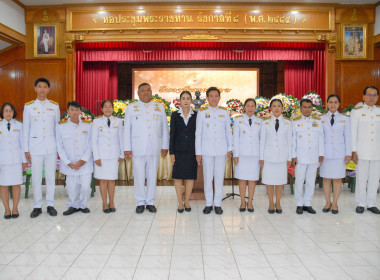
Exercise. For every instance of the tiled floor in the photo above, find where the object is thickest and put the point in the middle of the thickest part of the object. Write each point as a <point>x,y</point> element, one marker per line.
<point>168,245</point>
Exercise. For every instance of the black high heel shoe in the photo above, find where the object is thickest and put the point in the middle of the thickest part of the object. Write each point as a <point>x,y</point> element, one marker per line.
<point>15,216</point>
<point>325,210</point>
<point>7,217</point>
<point>180,210</point>
<point>112,209</point>
<point>242,209</point>
<point>187,209</point>
<point>334,211</point>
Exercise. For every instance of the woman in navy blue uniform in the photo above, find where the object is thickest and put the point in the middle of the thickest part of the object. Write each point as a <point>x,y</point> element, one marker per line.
<point>275,153</point>
<point>182,150</point>
<point>12,158</point>
<point>246,152</point>
<point>337,136</point>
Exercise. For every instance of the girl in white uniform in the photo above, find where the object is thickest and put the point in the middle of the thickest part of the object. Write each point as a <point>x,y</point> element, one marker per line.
<point>275,153</point>
<point>12,158</point>
<point>337,135</point>
<point>246,152</point>
<point>107,133</point>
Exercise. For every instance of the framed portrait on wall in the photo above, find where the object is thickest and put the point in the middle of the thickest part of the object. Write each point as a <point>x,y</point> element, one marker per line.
<point>45,40</point>
<point>354,41</point>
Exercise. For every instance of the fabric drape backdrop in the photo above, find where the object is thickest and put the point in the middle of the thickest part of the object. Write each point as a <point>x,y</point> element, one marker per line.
<point>96,82</point>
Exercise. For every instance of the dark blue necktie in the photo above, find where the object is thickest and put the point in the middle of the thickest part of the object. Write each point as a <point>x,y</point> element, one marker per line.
<point>277,125</point>
<point>9,126</point>
<point>332,120</point>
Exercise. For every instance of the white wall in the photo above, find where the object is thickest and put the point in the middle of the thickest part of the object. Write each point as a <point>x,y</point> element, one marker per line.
<point>377,21</point>
<point>12,15</point>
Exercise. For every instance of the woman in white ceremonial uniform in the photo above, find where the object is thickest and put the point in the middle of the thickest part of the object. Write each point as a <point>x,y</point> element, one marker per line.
<point>337,136</point>
<point>107,133</point>
<point>246,152</point>
<point>12,158</point>
<point>275,153</point>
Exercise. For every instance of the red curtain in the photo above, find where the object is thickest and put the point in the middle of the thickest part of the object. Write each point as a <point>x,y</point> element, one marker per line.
<point>97,81</point>
<point>303,76</point>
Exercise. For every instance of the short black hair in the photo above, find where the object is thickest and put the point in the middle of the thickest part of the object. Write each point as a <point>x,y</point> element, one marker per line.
<point>105,101</point>
<point>74,104</point>
<point>333,95</point>
<point>211,89</point>
<point>143,84</point>
<point>249,99</point>
<point>372,87</point>
<point>3,107</point>
<point>42,80</point>
<point>305,100</point>
<point>274,100</point>
<point>185,92</point>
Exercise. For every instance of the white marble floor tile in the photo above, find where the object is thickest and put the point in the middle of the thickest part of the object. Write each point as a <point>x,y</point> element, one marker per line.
<point>56,260</point>
<point>47,273</point>
<point>150,273</point>
<point>80,273</point>
<point>258,273</point>
<point>328,272</point>
<point>284,260</point>
<point>222,274</point>
<point>13,272</point>
<point>292,273</point>
<point>362,272</point>
<point>116,273</point>
<point>186,274</point>
<point>186,262</point>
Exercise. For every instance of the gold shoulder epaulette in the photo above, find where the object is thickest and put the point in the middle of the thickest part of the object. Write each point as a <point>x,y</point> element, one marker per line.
<point>358,107</point>
<point>286,118</point>
<point>98,117</point>
<point>18,121</point>
<point>266,118</point>
<point>30,102</point>
<point>297,118</point>
<point>238,116</point>
<point>204,108</point>
<point>63,121</point>
<point>86,121</point>
<point>221,107</point>
<point>315,117</point>
<point>56,103</point>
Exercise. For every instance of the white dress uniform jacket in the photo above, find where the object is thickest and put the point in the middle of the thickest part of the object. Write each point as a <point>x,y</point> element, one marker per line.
<point>308,139</point>
<point>74,144</point>
<point>213,136</point>
<point>247,137</point>
<point>107,142</point>
<point>40,122</point>
<point>337,143</point>
<point>11,143</point>
<point>146,129</point>
<point>365,131</point>
<point>276,146</point>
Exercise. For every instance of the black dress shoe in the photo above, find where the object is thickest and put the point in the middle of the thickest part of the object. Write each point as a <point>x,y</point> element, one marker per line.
<point>106,210</point>
<point>69,211</point>
<point>241,209</point>
<point>360,210</point>
<point>85,210</point>
<point>15,216</point>
<point>7,217</point>
<point>309,209</point>
<point>36,212</point>
<point>112,210</point>
<point>180,210</point>
<point>218,210</point>
<point>151,208</point>
<point>140,209</point>
<point>299,210</point>
<point>374,210</point>
<point>207,210</point>
<point>51,211</point>
<point>187,209</point>
<point>278,211</point>
<point>251,209</point>
<point>325,210</point>
<point>334,211</point>
<point>271,211</point>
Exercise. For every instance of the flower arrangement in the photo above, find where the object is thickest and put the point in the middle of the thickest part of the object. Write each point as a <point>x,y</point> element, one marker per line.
<point>176,103</point>
<point>347,111</point>
<point>289,102</point>
<point>205,104</point>
<point>261,102</point>
<point>315,99</point>
<point>234,106</point>
<point>119,107</point>
<point>166,104</point>
<point>263,113</point>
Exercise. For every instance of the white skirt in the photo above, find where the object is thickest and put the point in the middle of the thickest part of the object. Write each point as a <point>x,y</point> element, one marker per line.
<point>11,175</point>
<point>275,173</point>
<point>333,168</point>
<point>108,171</point>
<point>248,168</point>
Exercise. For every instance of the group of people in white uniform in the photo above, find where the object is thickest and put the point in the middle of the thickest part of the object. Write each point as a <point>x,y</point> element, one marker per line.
<point>267,146</point>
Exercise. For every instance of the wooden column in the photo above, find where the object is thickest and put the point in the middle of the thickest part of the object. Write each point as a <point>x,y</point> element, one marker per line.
<point>329,71</point>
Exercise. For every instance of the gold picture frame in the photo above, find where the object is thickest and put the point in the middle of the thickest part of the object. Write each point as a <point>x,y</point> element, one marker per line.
<point>354,41</point>
<point>45,40</point>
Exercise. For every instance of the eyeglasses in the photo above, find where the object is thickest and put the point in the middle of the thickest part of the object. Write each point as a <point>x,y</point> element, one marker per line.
<point>371,95</point>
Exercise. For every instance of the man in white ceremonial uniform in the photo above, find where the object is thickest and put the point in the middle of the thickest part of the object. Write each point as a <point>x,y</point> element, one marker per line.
<point>41,118</point>
<point>75,150</point>
<point>213,142</point>
<point>146,136</point>
<point>365,132</point>
<point>308,152</point>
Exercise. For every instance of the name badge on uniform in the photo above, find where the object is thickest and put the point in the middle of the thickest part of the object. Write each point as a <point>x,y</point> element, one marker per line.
<point>342,121</point>
<point>257,123</point>
<point>136,108</point>
<point>207,116</point>
<point>377,115</point>
<point>84,131</point>
<point>221,116</point>
<point>363,115</point>
<point>286,123</point>
<point>50,109</point>
<point>116,127</point>
<point>156,118</point>
<point>156,108</point>
<point>16,130</point>
<point>35,108</point>
<point>315,124</point>
<point>323,121</point>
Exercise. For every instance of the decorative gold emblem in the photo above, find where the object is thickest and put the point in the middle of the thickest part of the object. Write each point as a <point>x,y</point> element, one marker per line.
<point>200,37</point>
<point>45,16</point>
